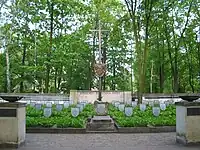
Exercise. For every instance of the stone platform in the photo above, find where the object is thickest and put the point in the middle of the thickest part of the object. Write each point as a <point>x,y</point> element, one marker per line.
<point>101,123</point>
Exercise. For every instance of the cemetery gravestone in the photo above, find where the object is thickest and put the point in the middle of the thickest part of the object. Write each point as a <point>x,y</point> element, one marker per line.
<point>128,111</point>
<point>142,107</point>
<point>66,104</point>
<point>162,106</point>
<point>156,111</point>
<point>59,107</point>
<point>75,111</point>
<point>121,107</point>
<point>38,106</point>
<point>49,104</point>
<point>47,112</point>
<point>134,104</point>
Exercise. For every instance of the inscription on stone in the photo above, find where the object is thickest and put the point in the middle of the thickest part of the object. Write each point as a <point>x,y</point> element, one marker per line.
<point>193,111</point>
<point>8,113</point>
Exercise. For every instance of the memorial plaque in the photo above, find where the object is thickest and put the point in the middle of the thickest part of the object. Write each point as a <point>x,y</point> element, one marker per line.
<point>100,69</point>
<point>8,113</point>
<point>101,108</point>
<point>193,111</point>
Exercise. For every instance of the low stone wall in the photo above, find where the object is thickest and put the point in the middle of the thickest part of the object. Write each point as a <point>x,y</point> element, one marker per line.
<point>121,96</point>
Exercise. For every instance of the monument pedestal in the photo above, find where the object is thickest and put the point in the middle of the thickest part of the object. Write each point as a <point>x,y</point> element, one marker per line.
<point>188,122</point>
<point>12,124</point>
<point>101,122</point>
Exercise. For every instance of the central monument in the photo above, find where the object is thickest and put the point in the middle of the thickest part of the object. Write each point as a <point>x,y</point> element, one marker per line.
<point>102,121</point>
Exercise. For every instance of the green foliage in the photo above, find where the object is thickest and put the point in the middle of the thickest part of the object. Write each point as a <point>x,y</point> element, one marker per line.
<point>62,119</point>
<point>70,57</point>
<point>144,119</point>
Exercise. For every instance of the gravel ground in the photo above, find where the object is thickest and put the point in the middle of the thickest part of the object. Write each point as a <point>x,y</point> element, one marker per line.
<point>157,141</point>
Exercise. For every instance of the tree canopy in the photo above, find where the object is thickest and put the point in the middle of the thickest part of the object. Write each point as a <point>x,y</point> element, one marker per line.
<point>150,46</point>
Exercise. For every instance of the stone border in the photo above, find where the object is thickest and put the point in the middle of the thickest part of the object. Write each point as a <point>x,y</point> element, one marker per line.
<point>118,130</point>
<point>158,129</point>
<point>56,130</point>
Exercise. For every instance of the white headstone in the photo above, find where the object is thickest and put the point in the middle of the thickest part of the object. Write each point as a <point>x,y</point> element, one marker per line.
<point>80,106</point>
<point>117,104</point>
<point>134,104</point>
<point>71,102</point>
<point>167,103</point>
<point>151,103</point>
<point>121,107</point>
<point>59,107</point>
<point>47,112</point>
<point>128,111</point>
<point>162,106</point>
<point>56,102</point>
<point>156,111</point>
<point>49,104</point>
<point>142,107</point>
<point>75,112</point>
<point>66,104</point>
<point>38,106</point>
<point>32,104</point>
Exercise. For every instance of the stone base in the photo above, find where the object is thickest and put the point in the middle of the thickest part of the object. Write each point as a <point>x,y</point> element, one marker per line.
<point>182,140</point>
<point>11,145</point>
<point>12,124</point>
<point>101,123</point>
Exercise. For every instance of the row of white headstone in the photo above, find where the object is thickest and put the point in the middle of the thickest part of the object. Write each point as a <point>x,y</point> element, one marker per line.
<point>47,111</point>
<point>156,107</point>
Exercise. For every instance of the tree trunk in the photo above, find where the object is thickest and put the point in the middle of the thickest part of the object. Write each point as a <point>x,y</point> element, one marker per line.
<point>55,80</point>
<point>8,71</point>
<point>22,74</point>
<point>49,50</point>
<point>59,77</point>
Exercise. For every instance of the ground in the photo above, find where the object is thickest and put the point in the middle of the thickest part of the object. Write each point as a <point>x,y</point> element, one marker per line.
<point>155,141</point>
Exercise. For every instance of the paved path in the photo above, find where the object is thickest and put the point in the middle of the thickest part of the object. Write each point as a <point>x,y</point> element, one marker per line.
<point>159,141</point>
